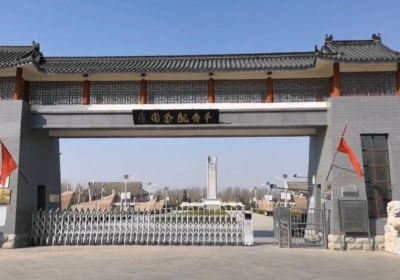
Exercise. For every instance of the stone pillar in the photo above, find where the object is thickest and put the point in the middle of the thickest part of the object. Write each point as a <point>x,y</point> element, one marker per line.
<point>86,92</point>
<point>37,157</point>
<point>211,90</point>
<point>320,157</point>
<point>270,91</point>
<point>212,178</point>
<point>19,84</point>
<point>143,92</point>
<point>336,81</point>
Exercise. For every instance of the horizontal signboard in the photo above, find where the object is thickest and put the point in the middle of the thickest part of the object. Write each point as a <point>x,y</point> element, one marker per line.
<point>175,117</point>
<point>5,196</point>
<point>353,215</point>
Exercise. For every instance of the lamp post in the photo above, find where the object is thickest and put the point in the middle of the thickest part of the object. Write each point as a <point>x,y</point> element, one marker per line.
<point>126,177</point>
<point>255,197</point>
<point>285,185</point>
<point>151,187</point>
<point>166,196</point>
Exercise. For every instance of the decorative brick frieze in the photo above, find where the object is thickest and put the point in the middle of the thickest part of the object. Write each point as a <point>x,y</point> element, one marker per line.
<point>240,91</point>
<point>369,83</point>
<point>56,93</point>
<point>114,92</point>
<point>301,90</point>
<point>161,92</point>
<point>7,88</point>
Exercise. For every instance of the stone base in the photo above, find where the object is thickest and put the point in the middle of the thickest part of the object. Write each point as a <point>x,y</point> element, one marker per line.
<point>212,204</point>
<point>356,243</point>
<point>12,241</point>
<point>392,228</point>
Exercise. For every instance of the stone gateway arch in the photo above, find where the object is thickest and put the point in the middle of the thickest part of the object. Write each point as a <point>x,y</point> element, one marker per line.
<point>312,93</point>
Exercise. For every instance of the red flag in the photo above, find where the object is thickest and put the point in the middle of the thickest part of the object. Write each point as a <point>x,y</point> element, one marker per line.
<point>7,167</point>
<point>344,147</point>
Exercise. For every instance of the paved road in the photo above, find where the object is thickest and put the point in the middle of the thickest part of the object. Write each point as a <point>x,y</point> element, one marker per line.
<point>174,262</point>
<point>262,230</point>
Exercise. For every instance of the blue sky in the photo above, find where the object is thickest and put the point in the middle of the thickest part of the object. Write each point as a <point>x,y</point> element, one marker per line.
<point>74,28</point>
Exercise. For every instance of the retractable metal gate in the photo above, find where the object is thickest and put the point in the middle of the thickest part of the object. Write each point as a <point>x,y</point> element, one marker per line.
<point>169,226</point>
<point>295,227</point>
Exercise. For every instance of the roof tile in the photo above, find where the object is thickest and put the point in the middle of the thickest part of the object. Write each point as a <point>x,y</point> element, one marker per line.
<point>340,51</point>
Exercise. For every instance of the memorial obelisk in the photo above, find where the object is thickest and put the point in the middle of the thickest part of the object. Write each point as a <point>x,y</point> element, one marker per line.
<point>212,201</point>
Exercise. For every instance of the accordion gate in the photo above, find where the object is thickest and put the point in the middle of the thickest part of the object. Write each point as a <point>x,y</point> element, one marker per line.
<point>171,227</point>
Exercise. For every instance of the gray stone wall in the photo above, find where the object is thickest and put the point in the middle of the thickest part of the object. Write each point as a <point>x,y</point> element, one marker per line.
<point>10,131</point>
<point>365,115</point>
<point>320,156</point>
<point>37,157</point>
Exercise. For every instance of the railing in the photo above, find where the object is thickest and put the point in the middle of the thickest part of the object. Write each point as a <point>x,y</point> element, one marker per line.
<point>295,227</point>
<point>170,226</point>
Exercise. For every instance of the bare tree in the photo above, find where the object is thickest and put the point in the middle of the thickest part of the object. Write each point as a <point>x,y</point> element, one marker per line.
<point>66,186</point>
<point>198,194</point>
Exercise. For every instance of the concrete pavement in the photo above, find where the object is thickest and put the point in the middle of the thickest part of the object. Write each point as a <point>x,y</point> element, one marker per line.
<point>172,262</point>
<point>262,261</point>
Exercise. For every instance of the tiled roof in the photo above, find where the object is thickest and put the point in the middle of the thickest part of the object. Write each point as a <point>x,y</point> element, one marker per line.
<point>12,56</point>
<point>184,63</point>
<point>342,51</point>
<point>358,51</point>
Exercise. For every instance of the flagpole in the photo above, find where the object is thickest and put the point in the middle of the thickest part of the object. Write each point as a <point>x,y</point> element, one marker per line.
<point>336,152</point>
<point>23,175</point>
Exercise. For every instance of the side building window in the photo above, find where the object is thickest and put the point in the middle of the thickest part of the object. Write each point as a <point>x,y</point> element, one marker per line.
<point>377,173</point>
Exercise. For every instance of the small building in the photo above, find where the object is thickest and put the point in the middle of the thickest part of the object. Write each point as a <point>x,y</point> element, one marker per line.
<point>105,195</point>
<point>298,186</point>
<point>135,191</point>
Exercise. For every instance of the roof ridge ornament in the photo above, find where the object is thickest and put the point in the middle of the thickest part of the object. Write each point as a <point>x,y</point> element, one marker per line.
<point>377,38</point>
<point>35,46</point>
<point>328,38</point>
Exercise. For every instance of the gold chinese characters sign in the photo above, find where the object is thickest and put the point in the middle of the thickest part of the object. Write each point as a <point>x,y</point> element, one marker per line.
<point>5,196</point>
<point>175,117</point>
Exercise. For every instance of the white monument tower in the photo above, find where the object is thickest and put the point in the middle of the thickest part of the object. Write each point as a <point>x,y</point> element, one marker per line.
<point>211,201</point>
